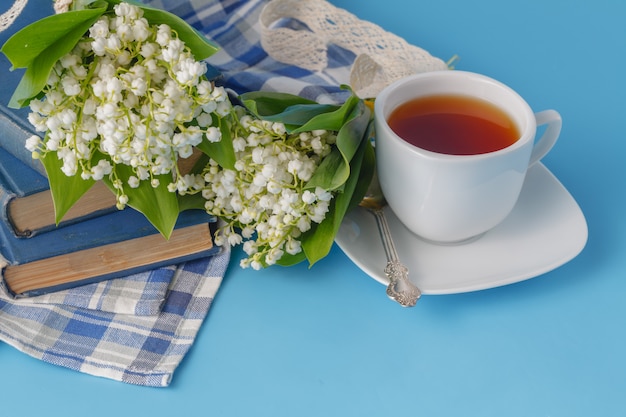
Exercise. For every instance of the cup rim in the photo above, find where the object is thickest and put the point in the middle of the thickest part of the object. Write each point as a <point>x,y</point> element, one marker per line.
<point>527,124</point>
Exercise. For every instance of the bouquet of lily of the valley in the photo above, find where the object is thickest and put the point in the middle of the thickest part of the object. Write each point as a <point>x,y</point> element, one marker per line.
<point>120,94</point>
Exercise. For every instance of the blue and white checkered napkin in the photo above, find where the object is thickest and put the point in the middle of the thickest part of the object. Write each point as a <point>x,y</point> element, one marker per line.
<point>234,25</point>
<point>138,329</point>
<point>137,349</point>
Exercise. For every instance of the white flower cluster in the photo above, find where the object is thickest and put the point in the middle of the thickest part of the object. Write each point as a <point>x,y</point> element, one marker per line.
<point>130,94</point>
<point>266,194</point>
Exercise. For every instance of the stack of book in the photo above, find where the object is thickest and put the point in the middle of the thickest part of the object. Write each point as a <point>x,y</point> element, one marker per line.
<point>95,241</point>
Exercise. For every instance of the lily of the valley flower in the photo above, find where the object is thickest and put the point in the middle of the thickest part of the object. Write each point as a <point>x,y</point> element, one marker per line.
<point>265,198</point>
<point>131,92</point>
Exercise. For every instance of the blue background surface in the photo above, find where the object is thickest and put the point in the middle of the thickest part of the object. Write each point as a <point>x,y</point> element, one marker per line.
<point>326,341</point>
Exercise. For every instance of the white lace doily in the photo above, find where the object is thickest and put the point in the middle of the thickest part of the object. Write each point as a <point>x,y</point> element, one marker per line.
<point>62,6</point>
<point>381,56</point>
<point>7,18</point>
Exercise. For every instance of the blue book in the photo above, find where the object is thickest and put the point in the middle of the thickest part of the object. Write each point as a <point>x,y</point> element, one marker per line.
<point>104,247</point>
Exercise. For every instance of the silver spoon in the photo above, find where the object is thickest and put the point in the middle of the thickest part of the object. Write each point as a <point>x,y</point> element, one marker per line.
<point>400,288</point>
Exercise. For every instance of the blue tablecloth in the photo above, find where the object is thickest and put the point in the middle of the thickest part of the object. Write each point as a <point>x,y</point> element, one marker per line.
<point>326,341</point>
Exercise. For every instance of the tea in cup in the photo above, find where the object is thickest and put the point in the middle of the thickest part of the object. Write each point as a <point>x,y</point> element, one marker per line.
<point>453,149</point>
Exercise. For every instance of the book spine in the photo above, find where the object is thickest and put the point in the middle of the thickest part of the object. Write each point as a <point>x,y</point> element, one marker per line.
<point>16,180</point>
<point>6,195</point>
<point>6,249</point>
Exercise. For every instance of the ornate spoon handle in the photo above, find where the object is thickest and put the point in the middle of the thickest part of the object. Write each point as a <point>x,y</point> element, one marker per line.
<point>400,288</point>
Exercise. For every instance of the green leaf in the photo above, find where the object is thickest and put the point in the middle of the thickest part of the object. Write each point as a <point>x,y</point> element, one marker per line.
<point>302,115</point>
<point>268,103</point>
<point>317,245</point>
<point>191,202</point>
<point>43,35</point>
<point>289,260</point>
<point>333,120</point>
<point>40,45</point>
<point>366,174</point>
<point>66,191</point>
<point>334,170</point>
<point>156,203</point>
<point>297,113</point>
<point>222,152</point>
<point>354,131</point>
<point>31,83</point>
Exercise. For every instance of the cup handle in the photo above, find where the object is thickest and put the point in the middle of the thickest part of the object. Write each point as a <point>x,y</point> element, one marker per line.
<point>553,119</point>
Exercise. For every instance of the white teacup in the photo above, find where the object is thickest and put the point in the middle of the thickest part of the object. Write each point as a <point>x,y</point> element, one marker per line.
<point>453,198</point>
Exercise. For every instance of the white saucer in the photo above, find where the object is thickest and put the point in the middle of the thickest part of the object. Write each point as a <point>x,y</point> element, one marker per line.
<point>545,230</point>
